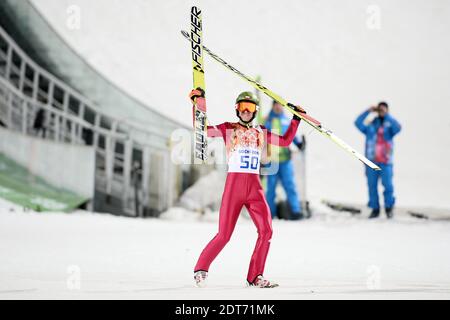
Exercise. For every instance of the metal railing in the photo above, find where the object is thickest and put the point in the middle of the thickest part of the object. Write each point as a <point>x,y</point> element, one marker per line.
<point>69,117</point>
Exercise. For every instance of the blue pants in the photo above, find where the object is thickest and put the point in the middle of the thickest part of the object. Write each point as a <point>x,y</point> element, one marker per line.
<point>286,174</point>
<point>373,176</point>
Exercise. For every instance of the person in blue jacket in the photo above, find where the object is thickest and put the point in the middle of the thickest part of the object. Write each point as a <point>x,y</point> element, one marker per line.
<point>278,122</point>
<point>379,149</point>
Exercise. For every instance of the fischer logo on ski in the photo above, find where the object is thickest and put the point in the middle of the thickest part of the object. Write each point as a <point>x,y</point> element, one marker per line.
<point>196,37</point>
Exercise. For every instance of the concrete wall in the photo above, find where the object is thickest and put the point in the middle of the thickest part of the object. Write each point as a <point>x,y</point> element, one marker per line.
<point>71,167</point>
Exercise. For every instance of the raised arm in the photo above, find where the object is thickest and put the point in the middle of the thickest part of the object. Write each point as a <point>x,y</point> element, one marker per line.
<point>217,130</point>
<point>286,139</point>
<point>197,96</point>
<point>359,122</point>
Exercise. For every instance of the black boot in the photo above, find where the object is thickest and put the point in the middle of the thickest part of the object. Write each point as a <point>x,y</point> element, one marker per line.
<point>375,213</point>
<point>296,216</point>
<point>389,212</point>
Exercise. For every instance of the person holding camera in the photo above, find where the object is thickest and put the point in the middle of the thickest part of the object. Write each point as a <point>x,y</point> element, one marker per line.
<point>379,148</point>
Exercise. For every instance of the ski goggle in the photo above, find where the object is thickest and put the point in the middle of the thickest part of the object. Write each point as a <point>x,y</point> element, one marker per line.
<point>246,105</point>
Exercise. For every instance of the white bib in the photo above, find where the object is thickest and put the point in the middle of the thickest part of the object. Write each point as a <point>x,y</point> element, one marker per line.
<point>244,159</point>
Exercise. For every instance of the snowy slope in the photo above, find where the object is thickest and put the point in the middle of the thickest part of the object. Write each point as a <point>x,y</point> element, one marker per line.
<point>320,54</point>
<point>94,256</point>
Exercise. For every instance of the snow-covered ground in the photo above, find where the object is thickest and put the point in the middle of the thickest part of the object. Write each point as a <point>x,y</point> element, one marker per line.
<point>334,58</point>
<point>92,256</point>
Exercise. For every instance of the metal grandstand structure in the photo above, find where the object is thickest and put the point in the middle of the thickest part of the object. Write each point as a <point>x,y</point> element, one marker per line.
<point>132,160</point>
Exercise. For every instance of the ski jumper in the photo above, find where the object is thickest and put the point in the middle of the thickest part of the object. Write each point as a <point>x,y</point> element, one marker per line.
<point>244,146</point>
<point>379,149</point>
<point>278,123</point>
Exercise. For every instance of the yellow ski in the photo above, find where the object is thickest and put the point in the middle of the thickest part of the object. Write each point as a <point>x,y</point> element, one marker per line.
<point>200,121</point>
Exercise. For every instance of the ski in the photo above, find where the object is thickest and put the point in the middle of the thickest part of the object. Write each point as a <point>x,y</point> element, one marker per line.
<point>290,107</point>
<point>353,209</point>
<point>259,116</point>
<point>200,121</point>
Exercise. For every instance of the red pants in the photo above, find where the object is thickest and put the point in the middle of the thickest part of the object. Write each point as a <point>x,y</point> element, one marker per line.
<point>241,189</point>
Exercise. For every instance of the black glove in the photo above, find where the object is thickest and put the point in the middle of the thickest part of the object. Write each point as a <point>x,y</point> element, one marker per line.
<point>195,93</point>
<point>298,109</point>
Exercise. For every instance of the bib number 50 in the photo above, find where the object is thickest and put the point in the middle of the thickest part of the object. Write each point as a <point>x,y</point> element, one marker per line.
<point>249,162</point>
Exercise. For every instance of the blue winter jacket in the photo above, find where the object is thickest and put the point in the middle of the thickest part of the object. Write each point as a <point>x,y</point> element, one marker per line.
<point>391,128</point>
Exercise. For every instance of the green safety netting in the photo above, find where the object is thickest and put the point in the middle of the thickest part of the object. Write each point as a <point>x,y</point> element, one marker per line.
<point>18,185</point>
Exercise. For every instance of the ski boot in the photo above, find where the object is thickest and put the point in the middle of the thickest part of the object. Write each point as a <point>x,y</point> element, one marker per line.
<point>261,282</point>
<point>296,216</point>
<point>200,278</point>
<point>389,212</point>
<point>375,213</point>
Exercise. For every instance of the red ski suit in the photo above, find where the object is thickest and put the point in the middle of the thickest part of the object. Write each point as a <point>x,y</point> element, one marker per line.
<point>243,188</point>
